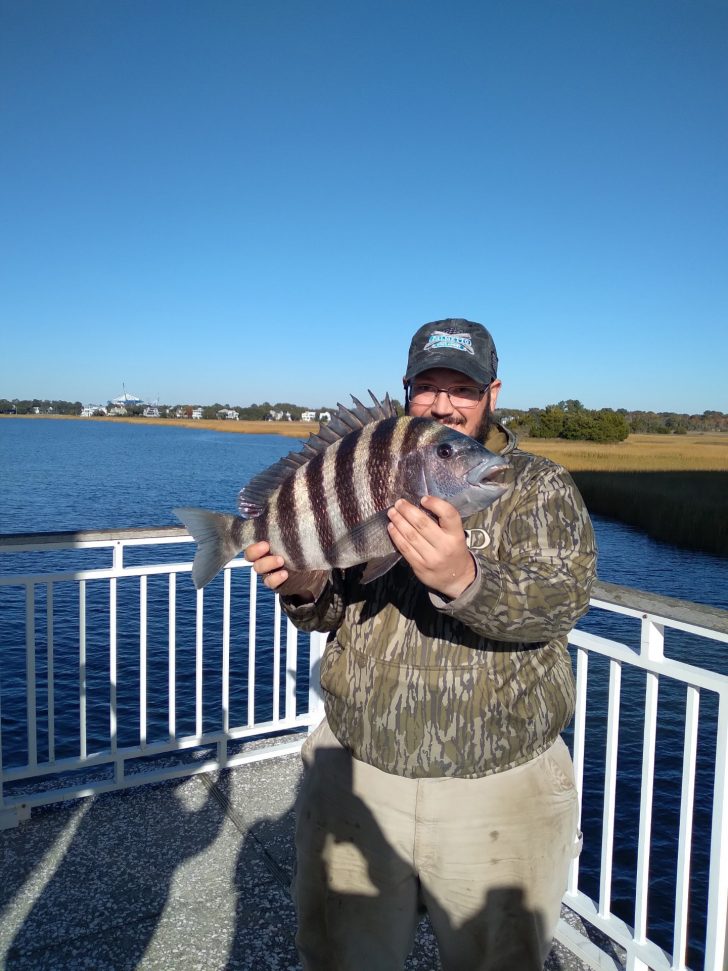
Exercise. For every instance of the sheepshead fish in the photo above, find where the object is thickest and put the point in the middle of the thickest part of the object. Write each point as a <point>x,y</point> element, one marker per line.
<point>326,506</point>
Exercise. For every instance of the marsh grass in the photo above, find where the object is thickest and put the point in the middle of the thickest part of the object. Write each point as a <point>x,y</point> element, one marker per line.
<point>638,453</point>
<point>675,487</point>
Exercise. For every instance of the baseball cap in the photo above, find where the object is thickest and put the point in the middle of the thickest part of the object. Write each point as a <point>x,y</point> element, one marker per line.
<point>461,345</point>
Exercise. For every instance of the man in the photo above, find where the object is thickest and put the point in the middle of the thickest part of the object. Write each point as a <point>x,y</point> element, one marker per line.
<point>438,779</point>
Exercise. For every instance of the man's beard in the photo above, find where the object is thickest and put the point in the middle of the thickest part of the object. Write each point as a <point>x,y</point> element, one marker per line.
<point>486,423</point>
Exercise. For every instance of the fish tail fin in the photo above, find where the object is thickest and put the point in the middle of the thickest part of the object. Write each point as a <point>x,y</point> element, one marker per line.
<point>219,537</point>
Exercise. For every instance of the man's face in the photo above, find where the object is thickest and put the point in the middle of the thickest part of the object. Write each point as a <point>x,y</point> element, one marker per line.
<point>470,421</point>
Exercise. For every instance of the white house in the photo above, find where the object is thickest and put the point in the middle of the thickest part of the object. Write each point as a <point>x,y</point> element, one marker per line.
<point>308,416</point>
<point>229,414</point>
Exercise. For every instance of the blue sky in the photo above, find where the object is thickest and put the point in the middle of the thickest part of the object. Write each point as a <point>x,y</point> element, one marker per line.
<point>246,201</point>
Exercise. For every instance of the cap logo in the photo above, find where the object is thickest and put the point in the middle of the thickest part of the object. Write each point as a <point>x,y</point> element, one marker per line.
<point>457,342</point>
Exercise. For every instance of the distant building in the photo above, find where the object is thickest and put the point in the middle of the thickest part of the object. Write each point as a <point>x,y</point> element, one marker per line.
<point>88,411</point>
<point>118,411</point>
<point>228,414</point>
<point>151,411</point>
<point>312,416</point>
<point>127,398</point>
<point>196,414</point>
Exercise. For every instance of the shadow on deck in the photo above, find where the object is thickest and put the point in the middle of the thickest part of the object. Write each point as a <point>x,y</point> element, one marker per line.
<point>189,874</point>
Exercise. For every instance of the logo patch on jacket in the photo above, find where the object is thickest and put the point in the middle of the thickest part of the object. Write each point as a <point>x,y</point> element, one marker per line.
<point>477,539</point>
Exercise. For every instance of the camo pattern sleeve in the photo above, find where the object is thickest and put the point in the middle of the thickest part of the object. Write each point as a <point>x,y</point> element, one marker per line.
<point>324,614</point>
<point>533,580</point>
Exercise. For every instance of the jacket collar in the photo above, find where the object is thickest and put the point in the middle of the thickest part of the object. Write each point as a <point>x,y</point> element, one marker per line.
<point>500,439</point>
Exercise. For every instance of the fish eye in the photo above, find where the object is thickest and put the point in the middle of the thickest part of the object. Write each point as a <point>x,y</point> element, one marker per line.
<point>444,450</point>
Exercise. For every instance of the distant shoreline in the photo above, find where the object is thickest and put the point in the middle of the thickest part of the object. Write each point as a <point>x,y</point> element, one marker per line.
<point>291,429</point>
<point>704,451</point>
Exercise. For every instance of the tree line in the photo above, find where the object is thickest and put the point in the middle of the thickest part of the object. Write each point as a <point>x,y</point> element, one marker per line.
<point>568,419</point>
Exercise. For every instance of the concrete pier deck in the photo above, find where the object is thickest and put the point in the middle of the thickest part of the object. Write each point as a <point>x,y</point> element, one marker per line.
<point>181,875</point>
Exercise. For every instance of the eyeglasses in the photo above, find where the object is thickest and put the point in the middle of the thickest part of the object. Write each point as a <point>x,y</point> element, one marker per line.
<point>461,396</point>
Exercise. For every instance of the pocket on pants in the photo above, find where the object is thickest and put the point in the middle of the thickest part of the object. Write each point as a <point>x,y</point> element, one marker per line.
<point>560,768</point>
<point>320,736</point>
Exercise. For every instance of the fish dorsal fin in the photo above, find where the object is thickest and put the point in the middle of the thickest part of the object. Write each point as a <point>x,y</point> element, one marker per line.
<point>253,497</point>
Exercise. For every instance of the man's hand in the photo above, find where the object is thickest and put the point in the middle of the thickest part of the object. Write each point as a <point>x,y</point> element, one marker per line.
<point>271,568</point>
<point>434,548</point>
<point>304,587</point>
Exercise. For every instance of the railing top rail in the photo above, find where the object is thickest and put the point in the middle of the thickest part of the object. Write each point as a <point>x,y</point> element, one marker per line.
<point>9,542</point>
<point>671,608</point>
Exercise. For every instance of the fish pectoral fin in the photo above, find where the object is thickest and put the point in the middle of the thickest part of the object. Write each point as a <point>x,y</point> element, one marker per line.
<point>363,542</point>
<point>304,583</point>
<point>378,567</point>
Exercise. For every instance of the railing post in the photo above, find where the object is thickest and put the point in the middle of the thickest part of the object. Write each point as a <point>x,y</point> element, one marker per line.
<point>226,650</point>
<point>30,700</point>
<point>291,669</point>
<point>117,556</point>
<point>652,648</point>
<point>716,952</point>
<point>12,816</point>
<point>113,672</point>
<point>252,617</point>
<point>582,671</point>
<point>172,657</point>
<point>315,693</point>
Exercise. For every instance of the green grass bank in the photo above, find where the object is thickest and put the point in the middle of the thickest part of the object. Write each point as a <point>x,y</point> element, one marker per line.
<point>686,508</point>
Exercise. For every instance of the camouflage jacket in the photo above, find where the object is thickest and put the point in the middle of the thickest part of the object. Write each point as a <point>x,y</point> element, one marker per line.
<point>419,685</point>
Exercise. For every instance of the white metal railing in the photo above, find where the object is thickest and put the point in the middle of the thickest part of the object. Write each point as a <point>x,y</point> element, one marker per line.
<point>653,615</point>
<point>58,772</point>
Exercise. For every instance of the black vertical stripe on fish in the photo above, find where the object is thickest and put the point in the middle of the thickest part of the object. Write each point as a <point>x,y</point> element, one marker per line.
<point>314,473</point>
<point>380,461</point>
<point>287,516</point>
<point>416,429</point>
<point>260,525</point>
<point>344,480</point>
<point>238,530</point>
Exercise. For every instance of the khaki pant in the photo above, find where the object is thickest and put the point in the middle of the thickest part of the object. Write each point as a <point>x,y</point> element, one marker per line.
<point>487,858</point>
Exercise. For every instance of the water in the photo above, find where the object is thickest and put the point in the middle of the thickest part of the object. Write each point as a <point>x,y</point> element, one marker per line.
<point>64,475</point>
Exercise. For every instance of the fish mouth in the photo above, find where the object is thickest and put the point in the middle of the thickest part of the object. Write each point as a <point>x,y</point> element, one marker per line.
<point>487,474</point>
